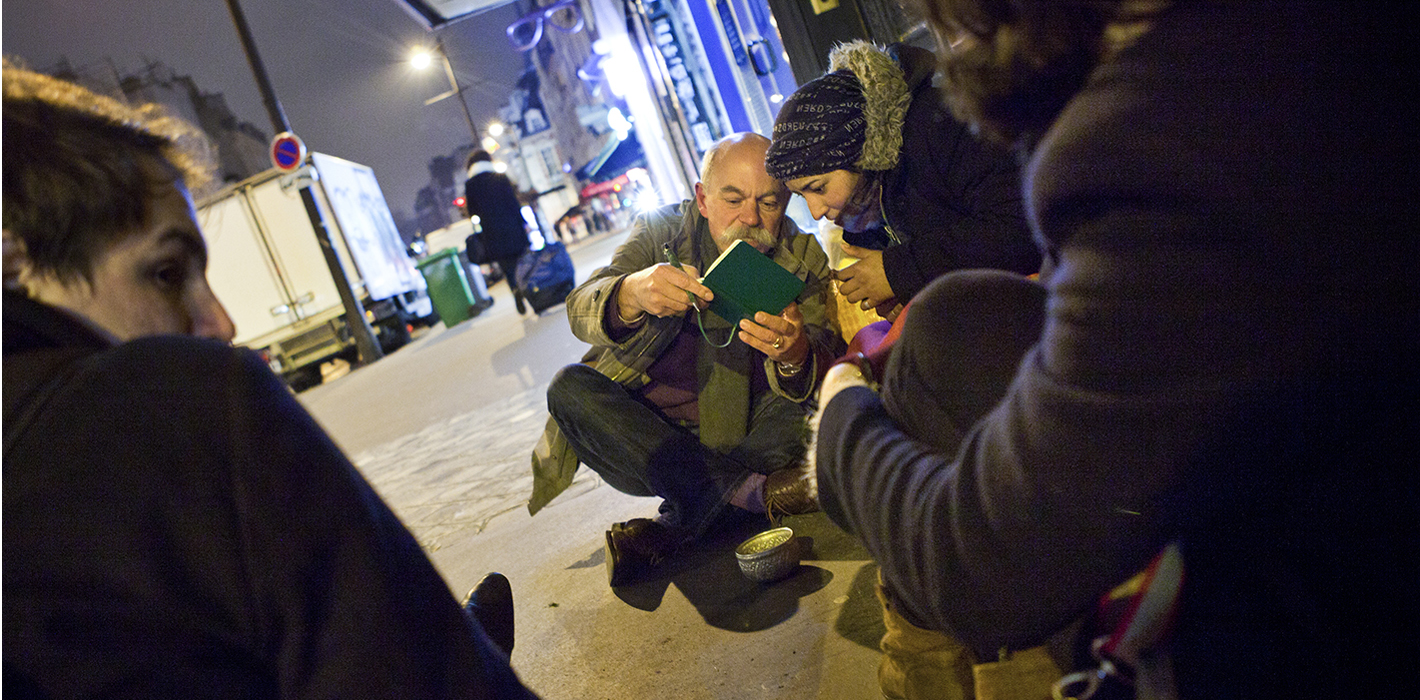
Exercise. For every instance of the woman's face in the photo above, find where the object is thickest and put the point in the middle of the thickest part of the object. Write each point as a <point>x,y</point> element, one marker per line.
<point>829,195</point>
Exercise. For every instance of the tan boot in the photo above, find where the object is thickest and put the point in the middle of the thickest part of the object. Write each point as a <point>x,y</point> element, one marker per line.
<point>921,664</point>
<point>1022,675</point>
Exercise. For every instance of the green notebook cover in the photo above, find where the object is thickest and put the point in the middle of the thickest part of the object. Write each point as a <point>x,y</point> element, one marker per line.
<point>745,280</point>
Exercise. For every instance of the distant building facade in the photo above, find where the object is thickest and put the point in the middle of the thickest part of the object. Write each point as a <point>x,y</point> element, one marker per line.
<point>241,146</point>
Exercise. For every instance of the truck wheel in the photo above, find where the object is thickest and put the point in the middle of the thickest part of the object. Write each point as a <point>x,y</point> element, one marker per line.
<point>304,378</point>
<point>393,332</point>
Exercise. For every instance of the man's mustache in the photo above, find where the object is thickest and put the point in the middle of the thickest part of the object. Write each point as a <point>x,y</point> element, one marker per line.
<point>752,234</point>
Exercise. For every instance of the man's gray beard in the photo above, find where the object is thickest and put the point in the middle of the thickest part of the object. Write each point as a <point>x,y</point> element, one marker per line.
<point>751,234</point>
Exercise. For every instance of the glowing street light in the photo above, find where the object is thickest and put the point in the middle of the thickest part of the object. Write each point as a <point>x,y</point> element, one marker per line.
<point>422,58</point>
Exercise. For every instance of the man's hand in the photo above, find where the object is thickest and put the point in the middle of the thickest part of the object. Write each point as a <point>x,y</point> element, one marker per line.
<point>864,282</point>
<point>781,337</point>
<point>661,290</point>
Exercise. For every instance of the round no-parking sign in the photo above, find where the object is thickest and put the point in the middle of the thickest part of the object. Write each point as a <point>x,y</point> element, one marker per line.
<point>287,151</point>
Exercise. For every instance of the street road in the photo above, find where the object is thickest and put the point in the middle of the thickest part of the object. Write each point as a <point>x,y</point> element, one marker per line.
<point>444,427</point>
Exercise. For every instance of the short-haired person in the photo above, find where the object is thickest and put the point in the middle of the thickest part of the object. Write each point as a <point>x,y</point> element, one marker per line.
<point>870,146</point>
<point>175,524</point>
<point>1230,355</point>
<point>659,407</point>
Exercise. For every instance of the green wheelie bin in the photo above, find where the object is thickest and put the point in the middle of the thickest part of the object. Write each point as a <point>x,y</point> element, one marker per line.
<point>449,288</point>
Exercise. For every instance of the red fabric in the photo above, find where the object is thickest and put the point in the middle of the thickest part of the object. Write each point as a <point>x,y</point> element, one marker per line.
<point>874,342</point>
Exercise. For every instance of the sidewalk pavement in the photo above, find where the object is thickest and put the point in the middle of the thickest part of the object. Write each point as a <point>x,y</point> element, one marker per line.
<point>444,430</point>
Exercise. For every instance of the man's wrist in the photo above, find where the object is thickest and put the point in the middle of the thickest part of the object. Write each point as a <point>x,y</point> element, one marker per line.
<point>639,319</point>
<point>789,369</point>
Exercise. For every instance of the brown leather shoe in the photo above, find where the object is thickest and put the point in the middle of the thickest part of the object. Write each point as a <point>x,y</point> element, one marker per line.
<point>635,547</point>
<point>790,491</point>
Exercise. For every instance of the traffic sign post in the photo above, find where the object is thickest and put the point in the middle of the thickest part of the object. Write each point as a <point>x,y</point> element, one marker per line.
<point>367,347</point>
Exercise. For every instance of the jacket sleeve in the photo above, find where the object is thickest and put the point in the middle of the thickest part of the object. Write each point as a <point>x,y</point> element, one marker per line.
<point>472,203</point>
<point>825,339</point>
<point>1064,489</point>
<point>587,305</point>
<point>217,536</point>
<point>352,605</point>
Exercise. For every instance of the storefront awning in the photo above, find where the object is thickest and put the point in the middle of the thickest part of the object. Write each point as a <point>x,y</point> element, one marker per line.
<point>617,157</point>
<point>597,189</point>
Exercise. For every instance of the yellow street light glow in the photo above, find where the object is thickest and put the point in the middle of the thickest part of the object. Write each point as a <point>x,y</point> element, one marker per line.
<point>420,59</point>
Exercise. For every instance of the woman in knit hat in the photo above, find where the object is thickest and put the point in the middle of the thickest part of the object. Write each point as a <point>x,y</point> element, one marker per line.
<point>871,147</point>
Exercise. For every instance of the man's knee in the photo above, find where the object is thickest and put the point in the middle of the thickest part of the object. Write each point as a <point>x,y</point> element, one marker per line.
<point>961,343</point>
<point>571,387</point>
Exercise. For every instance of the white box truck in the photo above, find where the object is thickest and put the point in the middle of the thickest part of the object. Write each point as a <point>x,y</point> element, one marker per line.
<point>268,269</point>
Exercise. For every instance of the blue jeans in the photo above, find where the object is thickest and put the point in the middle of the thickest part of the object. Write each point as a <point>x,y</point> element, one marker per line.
<point>639,451</point>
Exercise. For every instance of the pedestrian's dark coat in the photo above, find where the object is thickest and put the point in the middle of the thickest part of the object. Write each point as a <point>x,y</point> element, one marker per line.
<point>492,198</point>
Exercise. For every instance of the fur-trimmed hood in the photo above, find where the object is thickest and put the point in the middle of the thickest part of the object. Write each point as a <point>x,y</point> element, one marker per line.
<point>886,98</point>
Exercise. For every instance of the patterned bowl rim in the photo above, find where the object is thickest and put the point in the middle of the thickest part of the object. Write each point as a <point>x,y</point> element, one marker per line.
<point>786,533</point>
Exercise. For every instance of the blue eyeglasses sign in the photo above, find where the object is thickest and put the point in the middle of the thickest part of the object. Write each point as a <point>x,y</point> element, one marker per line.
<point>526,32</point>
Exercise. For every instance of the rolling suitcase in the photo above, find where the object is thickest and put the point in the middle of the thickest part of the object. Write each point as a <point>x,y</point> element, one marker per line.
<point>546,276</point>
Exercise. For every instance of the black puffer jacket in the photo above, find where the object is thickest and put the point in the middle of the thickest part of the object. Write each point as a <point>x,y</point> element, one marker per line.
<point>953,201</point>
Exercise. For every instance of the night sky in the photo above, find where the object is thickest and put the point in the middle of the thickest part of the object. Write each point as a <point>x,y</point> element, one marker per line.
<point>339,68</point>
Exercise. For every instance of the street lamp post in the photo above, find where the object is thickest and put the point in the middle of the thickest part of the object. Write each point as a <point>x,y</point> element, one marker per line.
<point>455,90</point>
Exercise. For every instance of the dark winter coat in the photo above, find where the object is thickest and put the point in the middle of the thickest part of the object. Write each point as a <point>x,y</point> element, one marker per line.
<point>492,198</point>
<point>953,200</point>
<point>1231,359</point>
<point>176,525</point>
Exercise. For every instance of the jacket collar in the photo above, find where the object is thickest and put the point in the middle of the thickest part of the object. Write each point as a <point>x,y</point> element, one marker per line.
<point>30,325</point>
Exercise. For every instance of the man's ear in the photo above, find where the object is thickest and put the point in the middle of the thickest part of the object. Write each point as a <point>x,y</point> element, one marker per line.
<point>700,199</point>
<point>16,260</point>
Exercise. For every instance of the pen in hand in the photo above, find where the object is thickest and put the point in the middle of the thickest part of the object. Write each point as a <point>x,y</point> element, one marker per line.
<point>674,260</point>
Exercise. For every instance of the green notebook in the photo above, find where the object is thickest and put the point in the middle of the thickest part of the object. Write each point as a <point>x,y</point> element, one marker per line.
<point>745,280</point>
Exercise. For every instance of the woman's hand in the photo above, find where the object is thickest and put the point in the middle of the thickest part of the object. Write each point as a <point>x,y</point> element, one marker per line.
<point>864,282</point>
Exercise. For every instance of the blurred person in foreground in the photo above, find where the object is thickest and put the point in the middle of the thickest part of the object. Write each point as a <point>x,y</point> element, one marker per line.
<point>658,408</point>
<point>1226,196</point>
<point>175,524</point>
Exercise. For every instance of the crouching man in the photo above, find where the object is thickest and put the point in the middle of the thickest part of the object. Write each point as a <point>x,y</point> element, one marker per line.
<point>674,402</point>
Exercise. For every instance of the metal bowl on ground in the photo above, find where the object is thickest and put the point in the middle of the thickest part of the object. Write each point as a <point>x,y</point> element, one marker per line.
<point>768,556</point>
